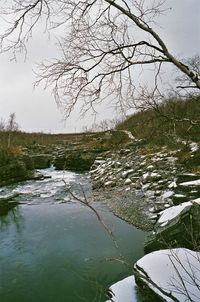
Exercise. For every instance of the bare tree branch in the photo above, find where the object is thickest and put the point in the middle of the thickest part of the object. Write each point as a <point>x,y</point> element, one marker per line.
<point>106,47</point>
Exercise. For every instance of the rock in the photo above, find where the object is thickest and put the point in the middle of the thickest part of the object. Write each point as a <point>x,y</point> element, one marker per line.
<point>124,290</point>
<point>170,275</point>
<point>157,193</point>
<point>8,197</point>
<point>128,181</point>
<point>179,198</point>
<point>150,168</point>
<point>14,172</point>
<point>185,177</point>
<point>167,194</point>
<point>75,160</point>
<point>146,177</point>
<point>110,183</point>
<point>177,226</point>
<point>41,161</point>
<point>126,173</point>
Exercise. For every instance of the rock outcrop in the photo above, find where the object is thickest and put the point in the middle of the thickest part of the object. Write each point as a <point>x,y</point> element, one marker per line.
<point>14,171</point>
<point>41,161</point>
<point>74,160</point>
<point>176,226</point>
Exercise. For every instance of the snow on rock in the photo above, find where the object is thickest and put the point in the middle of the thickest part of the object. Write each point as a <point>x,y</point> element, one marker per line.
<point>179,195</point>
<point>124,290</point>
<point>130,135</point>
<point>172,185</point>
<point>190,183</point>
<point>150,168</point>
<point>109,183</point>
<point>167,194</point>
<point>194,147</point>
<point>197,200</point>
<point>126,173</point>
<point>128,181</point>
<point>171,274</point>
<point>173,212</point>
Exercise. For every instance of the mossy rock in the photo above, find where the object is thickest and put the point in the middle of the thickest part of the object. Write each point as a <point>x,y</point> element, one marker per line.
<point>76,160</point>
<point>41,161</point>
<point>14,172</point>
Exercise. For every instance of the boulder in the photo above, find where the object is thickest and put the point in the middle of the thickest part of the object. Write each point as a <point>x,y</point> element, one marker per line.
<point>75,160</point>
<point>170,274</point>
<point>14,172</point>
<point>177,226</point>
<point>41,161</point>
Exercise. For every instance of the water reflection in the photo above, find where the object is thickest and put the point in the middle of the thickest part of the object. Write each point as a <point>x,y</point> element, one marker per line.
<point>55,250</point>
<point>10,215</point>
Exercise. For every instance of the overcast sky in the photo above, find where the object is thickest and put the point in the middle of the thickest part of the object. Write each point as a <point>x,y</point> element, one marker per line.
<point>36,109</point>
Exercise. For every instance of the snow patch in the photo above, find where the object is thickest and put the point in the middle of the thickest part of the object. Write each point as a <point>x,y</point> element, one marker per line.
<point>172,212</point>
<point>167,194</point>
<point>172,185</point>
<point>194,147</point>
<point>181,277</point>
<point>124,290</point>
<point>190,183</point>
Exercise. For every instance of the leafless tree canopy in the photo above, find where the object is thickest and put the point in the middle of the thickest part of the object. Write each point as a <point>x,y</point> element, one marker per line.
<point>105,45</point>
<point>12,125</point>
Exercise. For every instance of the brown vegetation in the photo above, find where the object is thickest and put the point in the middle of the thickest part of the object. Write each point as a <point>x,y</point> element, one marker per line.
<point>172,122</point>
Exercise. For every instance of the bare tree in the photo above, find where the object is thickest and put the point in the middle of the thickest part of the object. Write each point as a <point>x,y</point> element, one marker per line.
<point>105,44</point>
<point>2,125</point>
<point>12,126</point>
<point>183,81</point>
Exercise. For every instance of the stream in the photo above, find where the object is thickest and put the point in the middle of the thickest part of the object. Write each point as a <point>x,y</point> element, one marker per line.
<point>54,249</point>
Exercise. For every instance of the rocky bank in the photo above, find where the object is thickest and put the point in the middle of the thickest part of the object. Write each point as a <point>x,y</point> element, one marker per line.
<point>154,191</point>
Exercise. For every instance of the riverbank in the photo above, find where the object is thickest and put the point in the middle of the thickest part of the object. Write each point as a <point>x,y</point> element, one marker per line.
<point>136,183</point>
<point>157,192</point>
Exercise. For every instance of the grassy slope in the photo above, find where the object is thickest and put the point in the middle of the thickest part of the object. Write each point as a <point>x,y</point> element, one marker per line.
<point>157,129</point>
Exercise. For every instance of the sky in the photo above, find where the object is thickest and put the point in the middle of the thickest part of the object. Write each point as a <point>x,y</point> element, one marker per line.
<point>36,109</point>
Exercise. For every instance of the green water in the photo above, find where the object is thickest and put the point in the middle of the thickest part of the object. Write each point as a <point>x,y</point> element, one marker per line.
<point>56,252</point>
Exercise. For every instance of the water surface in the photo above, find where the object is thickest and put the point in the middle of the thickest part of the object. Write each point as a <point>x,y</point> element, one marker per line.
<point>53,249</point>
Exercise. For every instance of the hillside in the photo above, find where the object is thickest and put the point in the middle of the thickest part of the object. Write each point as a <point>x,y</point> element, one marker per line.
<point>172,120</point>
